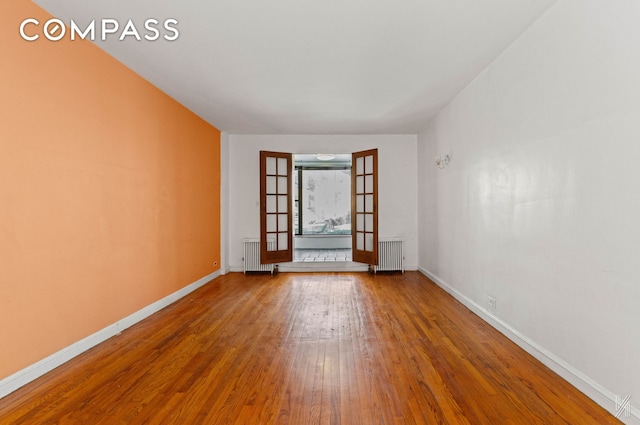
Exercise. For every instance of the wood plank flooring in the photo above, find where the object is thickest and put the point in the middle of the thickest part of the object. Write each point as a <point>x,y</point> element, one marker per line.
<point>331,348</point>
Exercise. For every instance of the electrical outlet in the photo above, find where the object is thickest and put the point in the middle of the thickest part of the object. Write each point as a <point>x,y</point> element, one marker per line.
<point>492,302</point>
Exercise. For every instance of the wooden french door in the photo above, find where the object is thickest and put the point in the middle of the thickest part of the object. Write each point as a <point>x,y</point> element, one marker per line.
<point>276,236</point>
<point>364,206</point>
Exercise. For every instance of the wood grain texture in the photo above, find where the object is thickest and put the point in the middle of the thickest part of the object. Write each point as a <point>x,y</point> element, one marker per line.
<point>348,348</point>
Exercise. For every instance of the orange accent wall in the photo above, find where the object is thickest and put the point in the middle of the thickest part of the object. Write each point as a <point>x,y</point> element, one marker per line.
<point>109,192</point>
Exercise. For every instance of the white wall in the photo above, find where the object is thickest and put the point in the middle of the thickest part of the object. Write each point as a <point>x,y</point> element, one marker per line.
<point>540,205</point>
<point>224,203</point>
<point>323,242</point>
<point>397,183</point>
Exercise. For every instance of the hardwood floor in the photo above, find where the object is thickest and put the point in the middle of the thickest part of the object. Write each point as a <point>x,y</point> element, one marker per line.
<point>348,348</point>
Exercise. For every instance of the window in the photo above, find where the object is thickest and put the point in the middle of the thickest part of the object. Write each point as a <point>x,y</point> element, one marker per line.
<point>322,204</point>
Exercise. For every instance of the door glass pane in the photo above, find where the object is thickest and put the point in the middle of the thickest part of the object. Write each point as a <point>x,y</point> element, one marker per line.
<point>360,223</point>
<point>283,222</point>
<point>360,203</point>
<point>271,165</point>
<point>360,241</point>
<point>359,165</point>
<point>282,204</point>
<point>368,246</point>
<point>360,184</point>
<point>368,204</point>
<point>271,203</point>
<point>271,185</point>
<point>282,167</point>
<point>282,185</point>
<point>283,242</point>
<point>368,222</point>
<point>271,246</point>
<point>271,223</point>
<point>368,187</point>
<point>368,164</point>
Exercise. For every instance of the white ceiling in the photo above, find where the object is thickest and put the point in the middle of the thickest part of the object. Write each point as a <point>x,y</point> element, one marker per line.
<point>313,66</point>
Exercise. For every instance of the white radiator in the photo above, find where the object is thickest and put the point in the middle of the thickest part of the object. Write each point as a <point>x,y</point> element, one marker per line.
<point>252,257</point>
<point>390,255</point>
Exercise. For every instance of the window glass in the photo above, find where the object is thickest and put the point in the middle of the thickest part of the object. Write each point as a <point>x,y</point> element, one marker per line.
<point>325,205</point>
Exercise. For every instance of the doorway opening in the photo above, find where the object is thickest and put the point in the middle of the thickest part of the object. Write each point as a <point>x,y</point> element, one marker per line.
<point>319,222</point>
<point>322,208</point>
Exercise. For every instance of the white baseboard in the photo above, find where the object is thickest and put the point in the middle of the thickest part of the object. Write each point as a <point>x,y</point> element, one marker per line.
<point>588,386</point>
<point>36,370</point>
